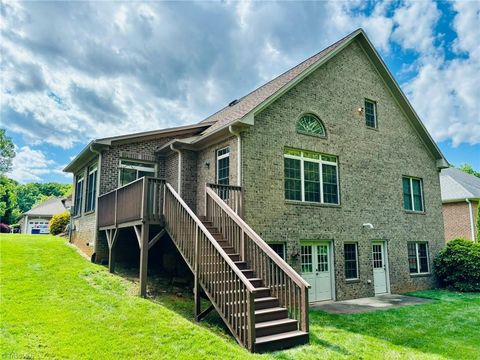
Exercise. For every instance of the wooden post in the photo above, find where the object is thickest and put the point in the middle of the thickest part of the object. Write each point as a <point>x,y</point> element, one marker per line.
<point>144,259</point>
<point>196,289</point>
<point>111,239</point>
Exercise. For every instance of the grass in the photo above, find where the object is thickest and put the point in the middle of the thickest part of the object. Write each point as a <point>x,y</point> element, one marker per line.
<point>55,304</point>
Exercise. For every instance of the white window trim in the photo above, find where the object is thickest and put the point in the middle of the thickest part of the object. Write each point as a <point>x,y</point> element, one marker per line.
<point>356,260</point>
<point>80,179</point>
<point>417,256</point>
<point>223,156</point>
<point>94,169</point>
<point>375,126</point>
<point>410,181</point>
<point>302,176</point>
<point>135,167</point>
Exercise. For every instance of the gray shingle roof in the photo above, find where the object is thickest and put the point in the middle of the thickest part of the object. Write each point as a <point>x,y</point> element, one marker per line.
<point>249,102</point>
<point>458,185</point>
<point>49,207</point>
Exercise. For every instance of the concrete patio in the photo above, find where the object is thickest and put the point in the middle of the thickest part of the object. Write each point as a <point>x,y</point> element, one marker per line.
<point>356,306</point>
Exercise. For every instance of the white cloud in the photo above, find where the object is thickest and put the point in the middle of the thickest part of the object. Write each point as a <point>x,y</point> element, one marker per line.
<point>30,165</point>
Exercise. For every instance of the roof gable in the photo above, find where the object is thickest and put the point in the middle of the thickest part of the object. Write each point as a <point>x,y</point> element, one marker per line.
<point>458,185</point>
<point>49,207</point>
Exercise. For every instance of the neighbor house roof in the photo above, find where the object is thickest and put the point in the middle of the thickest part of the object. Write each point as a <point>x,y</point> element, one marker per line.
<point>49,207</point>
<point>457,185</point>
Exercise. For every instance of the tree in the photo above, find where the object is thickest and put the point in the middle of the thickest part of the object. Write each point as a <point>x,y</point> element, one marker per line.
<point>9,211</point>
<point>7,152</point>
<point>469,169</point>
<point>33,193</point>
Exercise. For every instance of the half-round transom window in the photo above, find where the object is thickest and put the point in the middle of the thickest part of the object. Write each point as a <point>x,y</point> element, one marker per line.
<point>311,125</point>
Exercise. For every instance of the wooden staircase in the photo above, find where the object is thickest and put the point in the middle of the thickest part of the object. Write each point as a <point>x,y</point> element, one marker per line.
<point>261,299</point>
<point>274,330</point>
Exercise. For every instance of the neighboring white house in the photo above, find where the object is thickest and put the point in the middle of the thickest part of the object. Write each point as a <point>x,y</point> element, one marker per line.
<point>36,220</point>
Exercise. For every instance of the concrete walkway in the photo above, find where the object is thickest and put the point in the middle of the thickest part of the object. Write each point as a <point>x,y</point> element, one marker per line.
<point>380,302</point>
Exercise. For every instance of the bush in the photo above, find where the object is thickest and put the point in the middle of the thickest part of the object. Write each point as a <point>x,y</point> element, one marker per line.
<point>59,222</point>
<point>4,228</point>
<point>458,265</point>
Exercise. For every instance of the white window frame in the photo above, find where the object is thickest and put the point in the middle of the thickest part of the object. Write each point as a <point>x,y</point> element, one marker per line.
<point>356,260</point>
<point>302,159</point>
<point>91,169</point>
<point>223,156</point>
<point>135,167</point>
<point>410,180</point>
<point>79,179</point>
<point>417,256</point>
<point>374,114</point>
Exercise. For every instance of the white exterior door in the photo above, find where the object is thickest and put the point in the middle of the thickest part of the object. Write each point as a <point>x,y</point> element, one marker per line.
<point>380,276</point>
<point>317,270</point>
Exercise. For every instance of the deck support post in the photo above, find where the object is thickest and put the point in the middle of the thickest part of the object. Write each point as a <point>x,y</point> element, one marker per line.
<point>144,259</point>
<point>111,240</point>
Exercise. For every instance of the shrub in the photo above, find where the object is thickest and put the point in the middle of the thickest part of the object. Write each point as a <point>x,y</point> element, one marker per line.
<point>458,265</point>
<point>4,228</point>
<point>59,222</point>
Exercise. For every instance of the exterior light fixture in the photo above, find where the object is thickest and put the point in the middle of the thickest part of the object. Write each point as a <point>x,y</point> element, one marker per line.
<point>360,110</point>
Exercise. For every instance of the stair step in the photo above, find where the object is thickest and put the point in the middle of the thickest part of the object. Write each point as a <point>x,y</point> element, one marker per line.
<point>266,303</point>
<point>275,327</point>
<point>248,272</point>
<point>256,282</point>
<point>270,314</point>
<point>234,257</point>
<point>229,250</point>
<point>241,264</point>
<point>280,341</point>
<point>262,292</point>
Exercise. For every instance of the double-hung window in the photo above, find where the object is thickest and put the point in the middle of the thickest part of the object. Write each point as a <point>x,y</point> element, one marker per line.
<point>350,253</point>
<point>412,194</point>
<point>131,170</point>
<point>223,166</point>
<point>91,188</point>
<point>78,195</point>
<point>310,177</point>
<point>279,248</point>
<point>418,257</point>
<point>370,114</point>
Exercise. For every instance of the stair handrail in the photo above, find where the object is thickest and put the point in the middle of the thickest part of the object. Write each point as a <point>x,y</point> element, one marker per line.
<point>259,241</point>
<point>209,236</point>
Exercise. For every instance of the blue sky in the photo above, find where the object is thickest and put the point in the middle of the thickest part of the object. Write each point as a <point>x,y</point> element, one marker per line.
<point>74,71</point>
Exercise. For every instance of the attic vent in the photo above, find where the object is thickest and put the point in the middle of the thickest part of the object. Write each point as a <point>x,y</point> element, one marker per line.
<point>233,102</point>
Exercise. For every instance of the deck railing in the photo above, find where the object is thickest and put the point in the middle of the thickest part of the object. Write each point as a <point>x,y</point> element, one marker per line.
<point>228,289</point>
<point>140,200</point>
<point>284,282</point>
<point>232,195</point>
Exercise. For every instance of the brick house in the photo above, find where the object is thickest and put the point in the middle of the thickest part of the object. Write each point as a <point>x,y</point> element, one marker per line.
<point>328,164</point>
<point>460,198</point>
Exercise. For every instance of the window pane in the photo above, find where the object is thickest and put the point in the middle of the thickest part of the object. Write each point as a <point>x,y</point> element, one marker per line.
<point>78,197</point>
<point>412,257</point>
<point>293,187</point>
<point>312,181</point>
<point>306,259</point>
<point>91,191</point>
<point>223,170</point>
<point>350,254</point>
<point>417,195</point>
<point>310,124</point>
<point>377,256</point>
<point>370,119</point>
<point>137,164</point>
<point>423,257</point>
<point>279,249</point>
<point>322,257</point>
<point>145,173</point>
<point>127,176</point>
<point>330,186</point>
<point>407,199</point>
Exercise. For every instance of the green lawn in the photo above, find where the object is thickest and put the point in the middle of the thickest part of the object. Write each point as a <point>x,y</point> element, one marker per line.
<point>55,304</point>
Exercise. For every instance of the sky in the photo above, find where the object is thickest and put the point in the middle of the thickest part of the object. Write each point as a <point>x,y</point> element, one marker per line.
<point>75,71</point>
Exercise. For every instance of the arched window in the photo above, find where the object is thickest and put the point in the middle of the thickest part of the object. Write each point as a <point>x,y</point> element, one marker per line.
<point>311,125</point>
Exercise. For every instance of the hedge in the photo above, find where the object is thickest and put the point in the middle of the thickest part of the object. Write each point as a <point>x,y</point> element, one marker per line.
<point>457,266</point>
<point>59,222</point>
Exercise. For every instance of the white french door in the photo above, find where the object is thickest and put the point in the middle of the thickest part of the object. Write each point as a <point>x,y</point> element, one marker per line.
<point>380,267</point>
<point>316,266</point>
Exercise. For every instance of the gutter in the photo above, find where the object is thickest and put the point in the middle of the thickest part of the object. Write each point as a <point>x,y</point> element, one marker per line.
<point>470,213</point>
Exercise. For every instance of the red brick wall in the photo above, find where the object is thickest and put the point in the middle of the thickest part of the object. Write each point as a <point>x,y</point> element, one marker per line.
<point>456,219</point>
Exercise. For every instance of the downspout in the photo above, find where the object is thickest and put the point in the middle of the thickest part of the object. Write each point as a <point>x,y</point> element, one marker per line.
<point>179,179</point>
<point>470,212</point>
<point>97,190</point>
<point>239,154</point>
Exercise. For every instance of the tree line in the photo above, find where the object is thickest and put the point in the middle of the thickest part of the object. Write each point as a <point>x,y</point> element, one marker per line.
<point>15,198</point>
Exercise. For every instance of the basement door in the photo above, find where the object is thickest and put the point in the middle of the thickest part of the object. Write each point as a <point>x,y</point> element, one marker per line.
<point>316,266</point>
<point>380,275</point>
